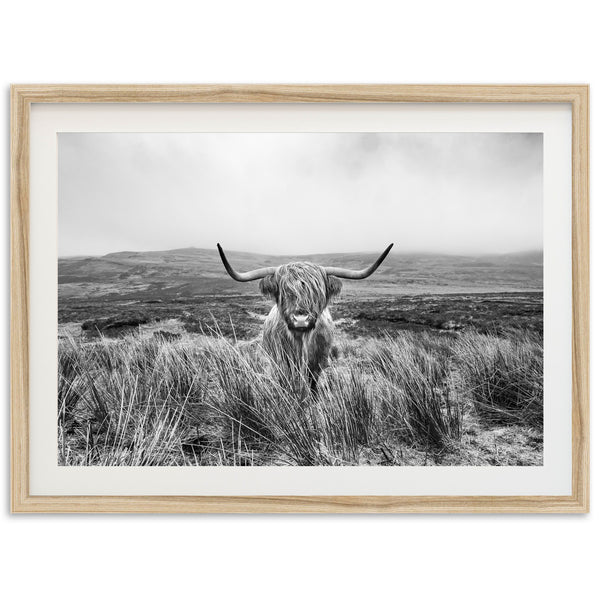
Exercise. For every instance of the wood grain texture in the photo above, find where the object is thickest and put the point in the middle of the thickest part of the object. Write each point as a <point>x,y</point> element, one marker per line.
<point>300,504</point>
<point>19,298</point>
<point>298,93</point>
<point>581,300</point>
<point>21,98</point>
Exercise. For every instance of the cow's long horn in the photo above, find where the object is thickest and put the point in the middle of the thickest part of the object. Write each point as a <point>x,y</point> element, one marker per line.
<point>248,275</point>
<point>351,274</point>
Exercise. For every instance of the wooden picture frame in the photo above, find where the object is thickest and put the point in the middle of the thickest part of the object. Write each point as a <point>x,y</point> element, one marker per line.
<point>22,98</point>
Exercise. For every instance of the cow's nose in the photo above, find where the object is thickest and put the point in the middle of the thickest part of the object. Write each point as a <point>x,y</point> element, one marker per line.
<point>301,320</point>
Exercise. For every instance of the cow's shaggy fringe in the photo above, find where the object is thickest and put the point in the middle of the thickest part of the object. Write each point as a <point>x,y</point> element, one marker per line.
<point>305,283</point>
<point>208,401</point>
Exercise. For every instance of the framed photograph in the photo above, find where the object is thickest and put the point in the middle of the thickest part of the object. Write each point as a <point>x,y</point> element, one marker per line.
<point>300,298</point>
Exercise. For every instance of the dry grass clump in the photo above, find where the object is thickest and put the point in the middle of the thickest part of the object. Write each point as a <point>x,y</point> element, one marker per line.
<point>419,400</point>
<point>124,401</point>
<point>504,377</point>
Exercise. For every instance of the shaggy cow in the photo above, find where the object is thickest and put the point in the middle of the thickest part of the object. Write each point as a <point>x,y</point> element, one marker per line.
<point>298,332</point>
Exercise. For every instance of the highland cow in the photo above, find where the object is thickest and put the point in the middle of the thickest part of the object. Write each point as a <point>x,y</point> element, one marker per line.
<point>299,332</point>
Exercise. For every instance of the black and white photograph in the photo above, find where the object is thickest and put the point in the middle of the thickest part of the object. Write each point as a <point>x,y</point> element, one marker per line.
<point>300,299</point>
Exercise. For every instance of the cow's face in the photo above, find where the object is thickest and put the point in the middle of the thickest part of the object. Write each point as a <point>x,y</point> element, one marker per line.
<point>302,292</point>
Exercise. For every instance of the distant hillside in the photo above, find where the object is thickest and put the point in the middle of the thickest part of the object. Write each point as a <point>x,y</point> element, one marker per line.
<point>189,272</point>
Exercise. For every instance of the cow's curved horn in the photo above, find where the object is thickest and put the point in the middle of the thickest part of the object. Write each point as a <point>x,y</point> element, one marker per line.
<point>248,275</point>
<point>364,273</point>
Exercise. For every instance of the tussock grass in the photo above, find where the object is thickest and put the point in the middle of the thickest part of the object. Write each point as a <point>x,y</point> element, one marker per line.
<point>204,400</point>
<point>504,377</point>
<point>419,400</point>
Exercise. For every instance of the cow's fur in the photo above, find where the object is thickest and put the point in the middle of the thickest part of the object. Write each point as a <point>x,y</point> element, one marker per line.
<point>305,289</point>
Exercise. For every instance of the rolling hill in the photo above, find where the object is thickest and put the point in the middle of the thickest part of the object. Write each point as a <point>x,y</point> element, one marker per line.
<point>193,271</point>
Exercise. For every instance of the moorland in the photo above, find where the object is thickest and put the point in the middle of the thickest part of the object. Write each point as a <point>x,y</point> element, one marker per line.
<point>440,362</point>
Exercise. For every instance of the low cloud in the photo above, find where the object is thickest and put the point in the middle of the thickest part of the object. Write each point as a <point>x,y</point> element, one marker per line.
<point>297,193</point>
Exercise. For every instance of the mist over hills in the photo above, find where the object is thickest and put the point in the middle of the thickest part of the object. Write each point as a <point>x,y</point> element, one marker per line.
<point>197,271</point>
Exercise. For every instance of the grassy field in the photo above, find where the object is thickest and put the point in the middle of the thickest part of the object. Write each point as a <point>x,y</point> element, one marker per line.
<point>440,362</point>
<point>406,399</point>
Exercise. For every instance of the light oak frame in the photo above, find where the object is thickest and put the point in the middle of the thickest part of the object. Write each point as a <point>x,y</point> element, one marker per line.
<point>22,96</point>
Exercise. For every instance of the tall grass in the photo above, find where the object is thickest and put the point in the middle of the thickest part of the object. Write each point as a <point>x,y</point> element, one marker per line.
<point>504,377</point>
<point>419,403</point>
<point>207,401</point>
<point>127,401</point>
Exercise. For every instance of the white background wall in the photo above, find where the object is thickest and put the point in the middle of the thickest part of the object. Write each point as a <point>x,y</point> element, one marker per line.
<point>296,556</point>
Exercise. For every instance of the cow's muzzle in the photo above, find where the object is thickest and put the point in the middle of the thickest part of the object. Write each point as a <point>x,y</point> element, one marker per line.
<point>299,322</point>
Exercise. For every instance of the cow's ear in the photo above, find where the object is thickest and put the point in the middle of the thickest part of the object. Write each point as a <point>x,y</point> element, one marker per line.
<point>334,286</point>
<point>269,287</point>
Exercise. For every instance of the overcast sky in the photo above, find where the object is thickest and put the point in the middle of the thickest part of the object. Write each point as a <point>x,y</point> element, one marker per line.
<point>300,193</point>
